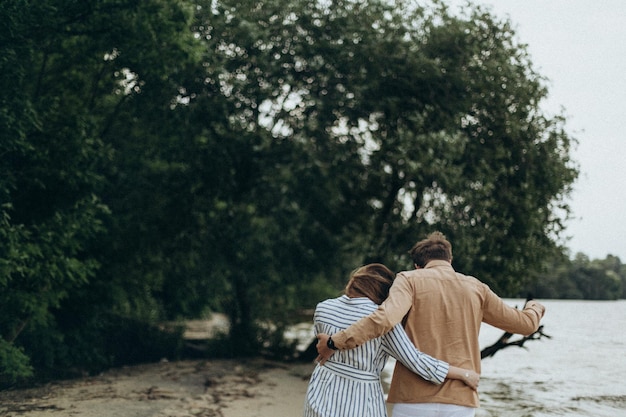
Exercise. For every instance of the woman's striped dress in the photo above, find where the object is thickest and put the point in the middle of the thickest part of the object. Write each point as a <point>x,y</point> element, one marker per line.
<point>348,384</point>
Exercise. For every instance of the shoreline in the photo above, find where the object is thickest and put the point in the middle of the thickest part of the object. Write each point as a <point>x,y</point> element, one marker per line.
<point>204,387</point>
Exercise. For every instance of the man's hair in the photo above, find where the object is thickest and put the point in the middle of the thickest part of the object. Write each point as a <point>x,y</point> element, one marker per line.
<point>371,281</point>
<point>434,247</point>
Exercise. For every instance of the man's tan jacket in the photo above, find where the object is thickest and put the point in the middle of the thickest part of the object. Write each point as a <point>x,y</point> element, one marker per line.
<point>442,312</point>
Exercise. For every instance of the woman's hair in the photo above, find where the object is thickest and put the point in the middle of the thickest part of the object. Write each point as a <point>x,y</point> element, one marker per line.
<point>371,281</point>
<point>434,247</point>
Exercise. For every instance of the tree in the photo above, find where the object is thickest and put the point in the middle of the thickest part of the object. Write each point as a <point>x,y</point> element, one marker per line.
<point>594,279</point>
<point>581,278</point>
<point>363,125</point>
<point>48,176</point>
<point>62,88</point>
<point>422,119</point>
<point>165,159</point>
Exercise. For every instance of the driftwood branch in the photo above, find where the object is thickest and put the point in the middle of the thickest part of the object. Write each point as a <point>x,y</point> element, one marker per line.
<point>504,342</point>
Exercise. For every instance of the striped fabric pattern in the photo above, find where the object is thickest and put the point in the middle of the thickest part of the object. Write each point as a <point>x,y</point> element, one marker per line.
<point>348,385</point>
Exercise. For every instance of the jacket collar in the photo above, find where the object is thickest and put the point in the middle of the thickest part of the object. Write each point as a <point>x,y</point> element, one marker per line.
<point>438,264</point>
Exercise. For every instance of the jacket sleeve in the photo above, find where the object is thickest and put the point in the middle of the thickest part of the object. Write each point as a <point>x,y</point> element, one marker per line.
<point>388,314</point>
<point>507,318</point>
<point>397,344</point>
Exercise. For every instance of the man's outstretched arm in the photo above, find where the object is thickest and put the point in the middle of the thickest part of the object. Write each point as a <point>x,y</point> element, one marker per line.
<point>375,325</point>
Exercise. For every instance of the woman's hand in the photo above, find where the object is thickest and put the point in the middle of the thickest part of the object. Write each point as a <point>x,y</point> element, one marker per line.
<point>468,376</point>
<point>471,379</point>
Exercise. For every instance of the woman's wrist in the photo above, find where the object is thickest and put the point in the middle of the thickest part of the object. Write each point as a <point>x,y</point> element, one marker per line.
<point>454,372</point>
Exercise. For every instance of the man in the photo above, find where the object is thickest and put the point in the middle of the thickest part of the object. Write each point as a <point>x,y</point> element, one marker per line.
<point>444,311</point>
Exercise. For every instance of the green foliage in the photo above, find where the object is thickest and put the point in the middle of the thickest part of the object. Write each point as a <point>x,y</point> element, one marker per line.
<point>162,159</point>
<point>59,92</point>
<point>400,121</point>
<point>48,180</point>
<point>581,278</point>
<point>81,345</point>
<point>14,364</point>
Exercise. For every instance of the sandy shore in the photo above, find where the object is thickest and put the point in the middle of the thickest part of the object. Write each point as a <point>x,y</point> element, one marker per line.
<point>207,388</point>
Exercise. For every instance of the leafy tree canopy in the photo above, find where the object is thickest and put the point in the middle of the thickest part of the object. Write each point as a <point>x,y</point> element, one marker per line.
<point>164,159</point>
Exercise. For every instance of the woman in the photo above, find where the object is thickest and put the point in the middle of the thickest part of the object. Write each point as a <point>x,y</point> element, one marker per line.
<point>348,384</point>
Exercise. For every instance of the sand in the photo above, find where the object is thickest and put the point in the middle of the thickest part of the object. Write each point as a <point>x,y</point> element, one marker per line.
<point>207,388</point>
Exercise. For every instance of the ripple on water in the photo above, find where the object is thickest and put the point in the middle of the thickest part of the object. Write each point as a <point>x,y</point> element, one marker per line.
<point>617,401</point>
<point>499,398</point>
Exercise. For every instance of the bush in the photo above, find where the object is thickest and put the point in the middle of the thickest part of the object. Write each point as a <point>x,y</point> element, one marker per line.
<point>91,345</point>
<point>14,365</point>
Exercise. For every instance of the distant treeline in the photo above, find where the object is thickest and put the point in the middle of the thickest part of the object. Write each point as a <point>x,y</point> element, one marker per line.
<point>164,159</point>
<point>581,278</point>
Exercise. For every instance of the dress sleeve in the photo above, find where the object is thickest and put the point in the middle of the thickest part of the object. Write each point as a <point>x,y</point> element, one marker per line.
<point>317,326</point>
<point>397,344</point>
<point>388,314</point>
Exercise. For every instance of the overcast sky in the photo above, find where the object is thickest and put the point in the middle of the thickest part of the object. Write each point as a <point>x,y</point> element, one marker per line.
<point>580,46</point>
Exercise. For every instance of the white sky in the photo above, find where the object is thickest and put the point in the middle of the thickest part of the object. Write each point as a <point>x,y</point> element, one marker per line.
<point>580,46</point>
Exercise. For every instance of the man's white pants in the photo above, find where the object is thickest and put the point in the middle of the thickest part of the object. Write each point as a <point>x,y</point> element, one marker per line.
<point>432,410</point>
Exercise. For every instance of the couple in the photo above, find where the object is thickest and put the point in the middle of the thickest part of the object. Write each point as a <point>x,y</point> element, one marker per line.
<point>440,312</point>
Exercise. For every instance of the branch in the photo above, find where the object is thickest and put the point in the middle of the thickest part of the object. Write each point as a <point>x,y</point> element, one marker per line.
<point>503,342</point>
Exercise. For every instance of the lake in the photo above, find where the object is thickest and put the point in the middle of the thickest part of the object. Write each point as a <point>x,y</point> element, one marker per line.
<point>579,371</point>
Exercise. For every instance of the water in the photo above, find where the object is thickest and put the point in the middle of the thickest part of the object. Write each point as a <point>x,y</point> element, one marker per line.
<point>579,371</point>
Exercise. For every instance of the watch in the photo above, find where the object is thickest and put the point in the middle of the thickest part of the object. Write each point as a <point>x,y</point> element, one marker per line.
<point>331,344</point>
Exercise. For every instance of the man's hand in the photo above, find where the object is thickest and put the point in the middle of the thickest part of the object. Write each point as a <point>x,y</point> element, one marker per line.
<point>324,352</point>
<point>538,307</point>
